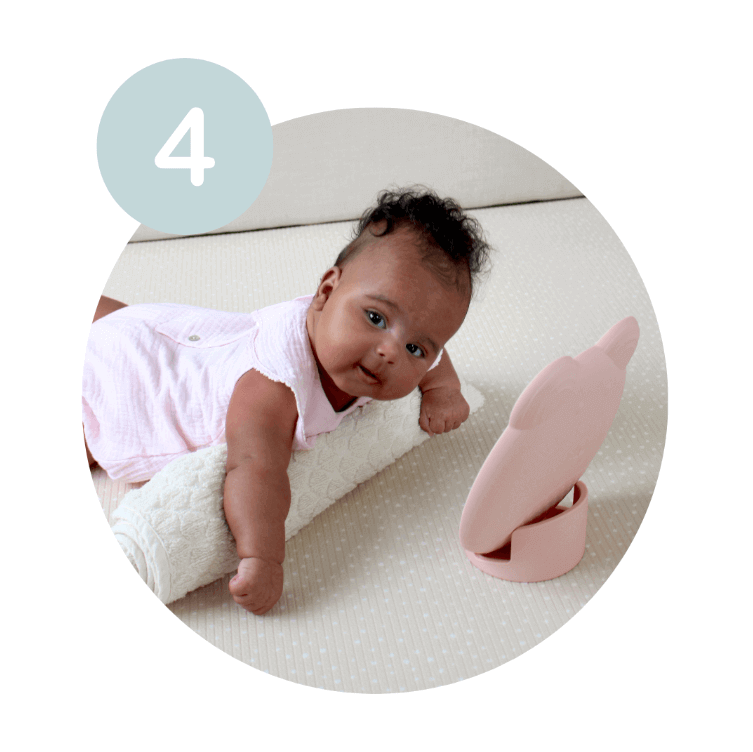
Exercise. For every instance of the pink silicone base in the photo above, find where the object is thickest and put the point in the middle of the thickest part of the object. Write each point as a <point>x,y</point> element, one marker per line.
<point>545,548</point>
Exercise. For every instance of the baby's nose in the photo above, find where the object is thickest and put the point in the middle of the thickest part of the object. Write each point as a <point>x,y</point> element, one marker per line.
<point>388,348</point>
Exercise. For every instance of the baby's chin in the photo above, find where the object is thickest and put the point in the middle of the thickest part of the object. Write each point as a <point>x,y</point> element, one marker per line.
<point>357,385</point>
<point>391,397</point>
<point>386,393</point>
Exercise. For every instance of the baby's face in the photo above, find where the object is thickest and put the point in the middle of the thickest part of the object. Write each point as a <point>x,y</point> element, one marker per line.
<point>378,324</point>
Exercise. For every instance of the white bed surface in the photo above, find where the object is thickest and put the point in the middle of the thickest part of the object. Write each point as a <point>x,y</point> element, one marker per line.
<point>379,596</point>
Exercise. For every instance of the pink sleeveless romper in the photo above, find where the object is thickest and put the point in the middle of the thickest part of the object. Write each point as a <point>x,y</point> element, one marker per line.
<point>158,380</point>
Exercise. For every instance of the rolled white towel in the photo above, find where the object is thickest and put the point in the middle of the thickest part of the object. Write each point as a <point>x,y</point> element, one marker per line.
<point>173,529</point>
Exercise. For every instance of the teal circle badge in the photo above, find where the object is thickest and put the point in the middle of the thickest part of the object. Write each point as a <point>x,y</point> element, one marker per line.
<point>184,146</point>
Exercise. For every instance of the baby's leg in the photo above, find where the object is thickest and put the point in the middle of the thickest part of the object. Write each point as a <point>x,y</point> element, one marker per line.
<point>106,305</point>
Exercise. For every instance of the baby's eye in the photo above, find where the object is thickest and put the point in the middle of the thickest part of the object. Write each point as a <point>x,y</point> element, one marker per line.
<point>415,350</point>
<point>377,319</point>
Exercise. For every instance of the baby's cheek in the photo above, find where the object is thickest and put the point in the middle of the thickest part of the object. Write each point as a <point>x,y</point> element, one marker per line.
<point>422,371</point>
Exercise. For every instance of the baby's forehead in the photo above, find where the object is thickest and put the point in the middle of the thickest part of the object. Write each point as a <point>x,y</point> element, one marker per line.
<point>405,247</point>
<point>409,285</point>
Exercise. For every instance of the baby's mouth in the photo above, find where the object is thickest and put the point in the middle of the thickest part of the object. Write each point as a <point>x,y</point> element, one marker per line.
<point>369,374</point>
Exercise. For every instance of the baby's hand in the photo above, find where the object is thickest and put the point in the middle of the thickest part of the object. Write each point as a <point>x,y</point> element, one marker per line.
<point>442,409</point>
<point>257,586</point>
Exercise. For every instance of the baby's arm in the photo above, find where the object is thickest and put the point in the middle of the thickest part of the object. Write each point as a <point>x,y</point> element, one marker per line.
<point>443,407</point>
<point>261,422</point>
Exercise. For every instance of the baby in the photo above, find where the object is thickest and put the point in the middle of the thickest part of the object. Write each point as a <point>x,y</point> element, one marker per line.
<point>163,380</point>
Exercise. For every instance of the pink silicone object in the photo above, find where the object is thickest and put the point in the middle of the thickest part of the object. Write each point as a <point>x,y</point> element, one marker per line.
<point>511,526</point>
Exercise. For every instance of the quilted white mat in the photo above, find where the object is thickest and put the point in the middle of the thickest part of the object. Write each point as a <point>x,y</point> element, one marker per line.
<point>379,596</point>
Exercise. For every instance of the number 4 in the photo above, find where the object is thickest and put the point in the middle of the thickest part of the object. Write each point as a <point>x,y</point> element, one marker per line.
<point>197,162</point>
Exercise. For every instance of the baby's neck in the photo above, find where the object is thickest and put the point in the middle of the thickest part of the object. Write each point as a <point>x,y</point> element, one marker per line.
<point>339,399</point>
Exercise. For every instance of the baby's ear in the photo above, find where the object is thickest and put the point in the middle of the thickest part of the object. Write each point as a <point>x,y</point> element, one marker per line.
<point>328,284</point>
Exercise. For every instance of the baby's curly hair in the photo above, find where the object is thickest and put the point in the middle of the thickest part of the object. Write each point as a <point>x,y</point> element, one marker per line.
<point>452,243</point>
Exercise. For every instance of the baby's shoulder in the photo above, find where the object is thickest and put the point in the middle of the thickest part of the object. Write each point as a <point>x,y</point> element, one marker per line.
<point>260,404</point>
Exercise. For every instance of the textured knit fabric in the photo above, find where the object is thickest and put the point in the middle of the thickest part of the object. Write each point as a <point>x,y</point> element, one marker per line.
<point>158,380</point>
<point>173,529</point>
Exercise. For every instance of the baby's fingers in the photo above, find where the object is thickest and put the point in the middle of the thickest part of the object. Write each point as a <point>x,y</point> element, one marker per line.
<point>250,604</point>
<point>246,593</point>
<point>423,422</point>
<point>256,603</point>
<point>438,424</point>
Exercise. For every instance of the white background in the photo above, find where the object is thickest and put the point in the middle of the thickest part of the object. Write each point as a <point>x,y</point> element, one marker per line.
<point>645,107</point>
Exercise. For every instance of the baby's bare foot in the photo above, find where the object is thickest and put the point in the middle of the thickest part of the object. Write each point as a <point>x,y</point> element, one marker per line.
<point>257,586</point>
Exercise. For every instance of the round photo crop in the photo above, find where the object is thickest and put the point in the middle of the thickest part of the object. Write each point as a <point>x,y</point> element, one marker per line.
<point>393,579</point>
